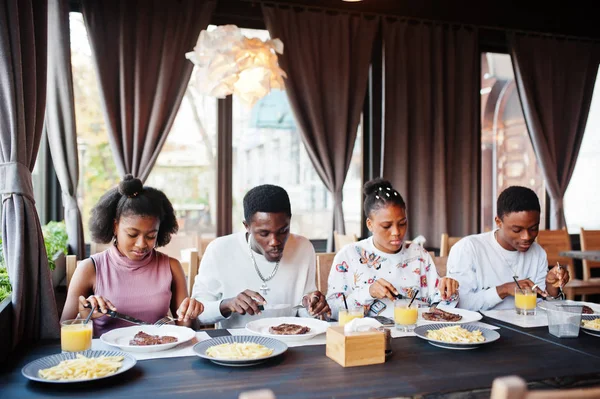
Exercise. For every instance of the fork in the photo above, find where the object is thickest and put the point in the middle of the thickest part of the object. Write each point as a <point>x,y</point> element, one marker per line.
<point>165,320</point>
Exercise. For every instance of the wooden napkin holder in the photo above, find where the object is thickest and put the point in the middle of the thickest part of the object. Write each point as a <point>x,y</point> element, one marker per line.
<point>356,348</point>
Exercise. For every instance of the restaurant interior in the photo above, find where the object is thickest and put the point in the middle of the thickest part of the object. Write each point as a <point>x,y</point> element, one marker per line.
<point>452,102</point>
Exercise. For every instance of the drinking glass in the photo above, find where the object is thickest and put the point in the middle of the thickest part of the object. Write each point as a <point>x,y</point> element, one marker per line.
<point>75,335</point>
<point>405,316</point>
<point>347,315</point>
<point>525,301</point>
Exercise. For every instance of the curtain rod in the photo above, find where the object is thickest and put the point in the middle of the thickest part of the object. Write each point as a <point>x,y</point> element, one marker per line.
<point>423,20</point>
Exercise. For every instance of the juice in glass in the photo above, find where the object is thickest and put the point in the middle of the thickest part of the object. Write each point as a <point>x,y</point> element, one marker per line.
<point>75,335</point>
<point>525,301</point>
<point>405,317</point>
<point>346,316</point>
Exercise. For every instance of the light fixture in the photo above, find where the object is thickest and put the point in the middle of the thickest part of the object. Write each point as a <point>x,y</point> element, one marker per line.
<point>230,63</point>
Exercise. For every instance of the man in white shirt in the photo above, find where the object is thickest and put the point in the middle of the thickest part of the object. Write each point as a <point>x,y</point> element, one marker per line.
<point>265,258</point>
<point>487,265</point>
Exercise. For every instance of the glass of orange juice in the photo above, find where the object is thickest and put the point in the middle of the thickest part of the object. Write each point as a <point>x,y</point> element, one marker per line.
<point>525,301</point>
<point>405,316</point>
<point>75,335</point>
<point>347,315</point>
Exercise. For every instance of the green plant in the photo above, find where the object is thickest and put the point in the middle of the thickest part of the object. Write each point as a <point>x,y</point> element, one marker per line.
<point>5,288</point>
<point>55,240</point>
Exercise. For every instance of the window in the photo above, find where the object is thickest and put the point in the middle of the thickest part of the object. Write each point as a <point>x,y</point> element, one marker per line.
<point>97,170</point>
<point>507,156</point>
<point>582,199</point>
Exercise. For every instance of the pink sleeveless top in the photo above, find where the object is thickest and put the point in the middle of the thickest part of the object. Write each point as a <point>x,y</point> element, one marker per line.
<point>141,289</point>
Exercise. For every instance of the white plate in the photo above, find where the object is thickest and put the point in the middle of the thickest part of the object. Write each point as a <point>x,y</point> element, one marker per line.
<point>595,307</point>
<point>120,337</point>
<point>587,330</point>
<point>261,327</point>
<point>31,370</point>
<point>277,346</point>
<point>489,335</point>
<point>468,316</point>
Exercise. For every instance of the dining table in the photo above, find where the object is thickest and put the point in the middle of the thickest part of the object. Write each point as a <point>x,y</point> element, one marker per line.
<point>587,255</point>
<point>415,368</point>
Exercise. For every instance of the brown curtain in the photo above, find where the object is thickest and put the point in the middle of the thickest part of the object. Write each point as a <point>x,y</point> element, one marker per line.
<point>431,130</point>
<point>326,58</point>
<point>60,120</point>
<point>139,49</point>
<point>23,28</point>
<point>555,79</point>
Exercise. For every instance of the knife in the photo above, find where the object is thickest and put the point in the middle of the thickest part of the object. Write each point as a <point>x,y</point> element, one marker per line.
<point>278,306</point>
<point>117,315</point>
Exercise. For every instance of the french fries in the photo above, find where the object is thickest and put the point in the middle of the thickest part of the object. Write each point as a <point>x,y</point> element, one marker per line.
<point>239,351</point>
<point>83,368</point>
<point>456,334</point>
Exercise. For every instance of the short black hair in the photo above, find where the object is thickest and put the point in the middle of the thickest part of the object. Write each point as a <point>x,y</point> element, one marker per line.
<point>517,199</point>
<point>130,198</point>
<point>378,194</point>
<point>266,198</point>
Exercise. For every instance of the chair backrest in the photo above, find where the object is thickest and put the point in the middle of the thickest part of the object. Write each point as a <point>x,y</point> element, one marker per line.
<point>440,264</point>
<point>190,264</point>
<point>343,239</point>
<point>554,242</point>
<point>71,264</point>
<point>514,387</point>
<point>178,243</point>
<point>97,247</point>
<point>446,243</point>
<point>324,261</point>
<point>590,241</point>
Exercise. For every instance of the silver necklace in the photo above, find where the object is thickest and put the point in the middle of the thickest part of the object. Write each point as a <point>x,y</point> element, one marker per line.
<point>264,289</point>
<point>510,265</point>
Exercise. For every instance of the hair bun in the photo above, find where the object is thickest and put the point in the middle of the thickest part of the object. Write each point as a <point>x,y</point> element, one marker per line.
<point>130,186</point>
<point>374,185</point>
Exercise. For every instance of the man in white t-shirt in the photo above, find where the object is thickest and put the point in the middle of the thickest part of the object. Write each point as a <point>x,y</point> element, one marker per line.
<point>265,265</point>
<point>486,265</point>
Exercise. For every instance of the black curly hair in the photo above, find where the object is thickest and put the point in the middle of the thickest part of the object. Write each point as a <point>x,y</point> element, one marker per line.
<point>266,198</point>
<point>517,199</point>
<point>129,198</point>
<point>378,194</point>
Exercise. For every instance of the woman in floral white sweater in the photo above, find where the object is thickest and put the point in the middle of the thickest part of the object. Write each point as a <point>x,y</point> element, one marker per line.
<point>383,267</point>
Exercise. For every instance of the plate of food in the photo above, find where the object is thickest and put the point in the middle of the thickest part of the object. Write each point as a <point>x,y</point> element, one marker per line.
<point>240,350</point>
<point>588,307</point>
<point>590,324</point>
<point>288,328</point>
<point>69,367</point>
<point>456,336</point>
<point>447,314</point>
<point>147,338</point>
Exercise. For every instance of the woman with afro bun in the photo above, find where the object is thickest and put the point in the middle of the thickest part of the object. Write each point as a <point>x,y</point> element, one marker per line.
<point>131,276</point>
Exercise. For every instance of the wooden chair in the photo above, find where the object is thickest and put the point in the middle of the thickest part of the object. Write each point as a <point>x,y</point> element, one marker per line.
<point>446,243</point>
<point>324,261</point>
<point>513,387</point>
<point>590,241</point>
<point>554,242</point>
<point>71,265</point>
<point>96,247</point>
<point>340,240</point>
<point>179,243</point>
<point>440,264</point>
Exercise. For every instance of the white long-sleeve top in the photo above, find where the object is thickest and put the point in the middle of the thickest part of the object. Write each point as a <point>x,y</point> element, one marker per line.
<point>358,265</point>
<point>480,264</point>
<point>226,269</point>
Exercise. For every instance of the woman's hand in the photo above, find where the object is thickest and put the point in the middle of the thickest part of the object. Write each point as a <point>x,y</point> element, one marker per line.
<point>189,309</point>
<point>316,304</point>
<point>448,288</point>
<point>101,306</point>
<point>381,288</point>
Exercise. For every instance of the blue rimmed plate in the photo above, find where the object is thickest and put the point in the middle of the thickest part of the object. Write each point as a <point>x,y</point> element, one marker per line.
<point>32,369</point>
<point>489,335</point>
<point>277,346</point>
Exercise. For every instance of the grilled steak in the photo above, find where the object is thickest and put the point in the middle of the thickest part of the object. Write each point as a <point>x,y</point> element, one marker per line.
<point>289,329</point>
<point>143,339</point>
<point>440,315</point>
<point>587,310</point>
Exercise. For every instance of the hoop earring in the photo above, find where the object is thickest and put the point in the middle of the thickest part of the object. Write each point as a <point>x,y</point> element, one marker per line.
<point>115,241</point>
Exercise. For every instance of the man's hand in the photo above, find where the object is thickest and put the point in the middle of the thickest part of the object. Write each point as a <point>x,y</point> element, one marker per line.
<point>507,289</point>
<point>448,288</point>
<point>245,302</point>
